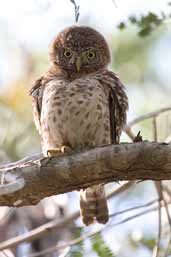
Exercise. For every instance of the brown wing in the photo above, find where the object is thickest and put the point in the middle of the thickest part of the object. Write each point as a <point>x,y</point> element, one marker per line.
<point>37,94</point>
<point>118,104</point>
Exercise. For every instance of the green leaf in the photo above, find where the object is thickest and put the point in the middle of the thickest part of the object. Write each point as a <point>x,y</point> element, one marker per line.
<point>100,247</point>
<point>150,243</point>
<point>145,31</point>
<point>133,19</point>
<point>121,26</point>
<point>146,23</point>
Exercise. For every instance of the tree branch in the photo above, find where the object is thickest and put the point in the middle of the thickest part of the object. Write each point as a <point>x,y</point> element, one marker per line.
<point>49,176</point>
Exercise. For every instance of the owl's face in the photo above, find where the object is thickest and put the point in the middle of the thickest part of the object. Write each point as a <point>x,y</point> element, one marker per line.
<point>80,50</point>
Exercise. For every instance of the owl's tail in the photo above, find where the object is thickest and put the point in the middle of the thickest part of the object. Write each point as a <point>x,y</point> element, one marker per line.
<point>93,205</point>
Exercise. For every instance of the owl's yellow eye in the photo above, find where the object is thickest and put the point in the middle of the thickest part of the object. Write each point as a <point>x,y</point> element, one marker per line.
<point>91,55</point>
<point>67,53</point>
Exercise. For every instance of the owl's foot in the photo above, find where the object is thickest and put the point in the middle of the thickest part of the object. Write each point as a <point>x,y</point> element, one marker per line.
<point>58,151</point>
<point>66,149</point>
<point>53,152</point>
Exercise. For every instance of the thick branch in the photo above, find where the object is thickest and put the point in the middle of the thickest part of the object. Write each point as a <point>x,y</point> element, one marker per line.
<point>48,176</point>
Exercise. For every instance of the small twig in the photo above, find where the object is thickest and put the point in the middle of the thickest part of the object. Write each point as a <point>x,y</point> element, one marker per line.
<point>5,254</point>
<point>166,253</point>
<point>13,186</point>
<point>76,9</point>
<point>129,132</point>
<point>134,208</point>
<point>65,245</point>
<point>23,161</point>
<point>2,178</point>
<point>158,185</point>
<point>159,188</point>
<point>169,220</point>
<point>167,190</point>
<point>155,129</point>
<point>38,232</point>
<point>156,249</point>
<point>65,252</point>
<point>147,116</point>
<point>138,138</point>
<point>135,216</point>
<point>115,3</point>
<point>7,215</point>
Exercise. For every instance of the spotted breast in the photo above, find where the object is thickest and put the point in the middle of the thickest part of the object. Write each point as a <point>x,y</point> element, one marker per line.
<point>75,114</point>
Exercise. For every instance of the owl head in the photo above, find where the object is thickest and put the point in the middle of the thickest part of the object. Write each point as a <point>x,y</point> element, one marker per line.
<point>79,49</point>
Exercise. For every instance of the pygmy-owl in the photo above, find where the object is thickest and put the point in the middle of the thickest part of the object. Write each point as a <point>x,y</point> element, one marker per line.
<point>79,103</point>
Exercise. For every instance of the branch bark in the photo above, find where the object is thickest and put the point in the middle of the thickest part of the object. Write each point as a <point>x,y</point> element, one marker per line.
<point>49,176</point>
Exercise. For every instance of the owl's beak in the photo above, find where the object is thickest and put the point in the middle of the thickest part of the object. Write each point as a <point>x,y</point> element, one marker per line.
<point>78,63</point>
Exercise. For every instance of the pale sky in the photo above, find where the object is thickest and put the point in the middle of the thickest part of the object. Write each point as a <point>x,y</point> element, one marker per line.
<point>33,22</point>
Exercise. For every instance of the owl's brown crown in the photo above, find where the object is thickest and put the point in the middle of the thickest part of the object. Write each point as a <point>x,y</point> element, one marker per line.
<point>79,49</point>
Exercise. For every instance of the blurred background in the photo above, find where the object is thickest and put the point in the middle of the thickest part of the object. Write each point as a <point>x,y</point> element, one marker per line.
<point>139,35</point>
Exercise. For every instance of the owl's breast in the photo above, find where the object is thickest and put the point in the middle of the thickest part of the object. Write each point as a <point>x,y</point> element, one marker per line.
<point>75,114</point>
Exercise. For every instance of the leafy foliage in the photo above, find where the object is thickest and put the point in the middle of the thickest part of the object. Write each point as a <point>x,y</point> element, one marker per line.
<point>146,23</point>
<point>99,246</point>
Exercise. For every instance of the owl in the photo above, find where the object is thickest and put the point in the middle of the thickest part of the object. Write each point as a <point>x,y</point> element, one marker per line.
<point>78,103</point>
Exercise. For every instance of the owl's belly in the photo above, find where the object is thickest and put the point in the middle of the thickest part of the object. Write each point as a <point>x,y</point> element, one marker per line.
<point>76,115</point>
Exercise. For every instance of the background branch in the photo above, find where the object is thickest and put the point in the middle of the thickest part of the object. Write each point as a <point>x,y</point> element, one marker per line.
<point>147,116</point>
<point>55,224</point>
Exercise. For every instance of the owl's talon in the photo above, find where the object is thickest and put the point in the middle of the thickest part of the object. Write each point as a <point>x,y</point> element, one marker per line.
<point>66,149</point>
<point>54,152</point>
<point>57,151</point>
